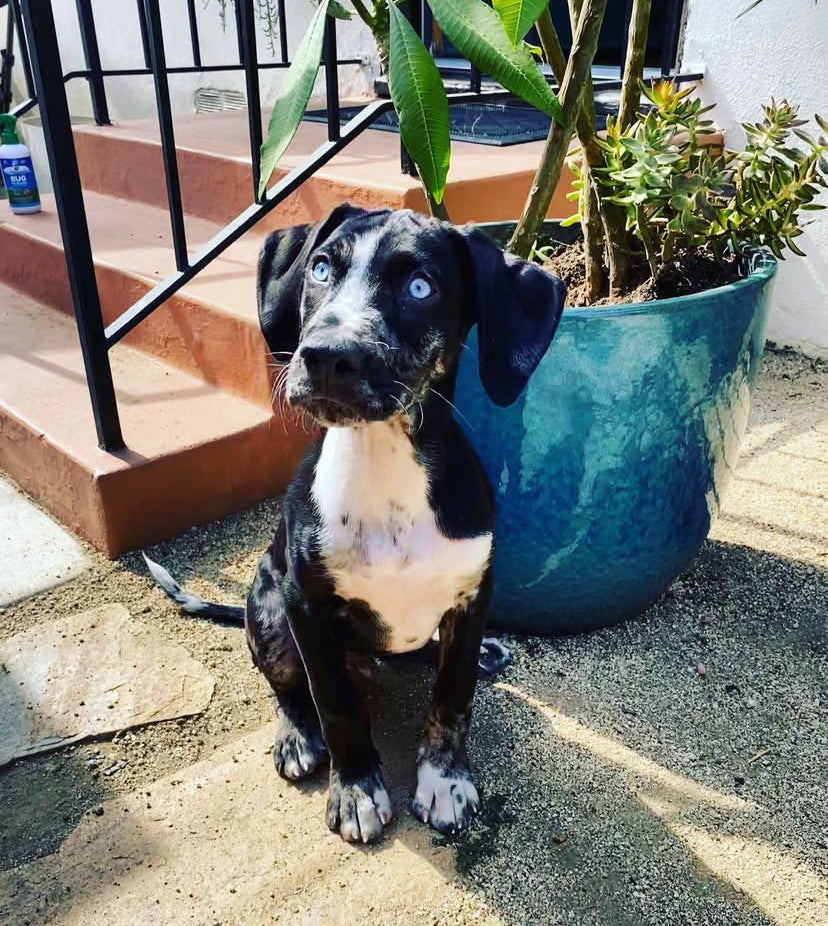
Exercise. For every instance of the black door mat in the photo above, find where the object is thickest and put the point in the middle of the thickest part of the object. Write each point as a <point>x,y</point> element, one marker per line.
<point>479,123</point>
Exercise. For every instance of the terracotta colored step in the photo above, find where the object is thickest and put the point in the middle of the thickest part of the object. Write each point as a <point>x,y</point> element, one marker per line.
<point>193,453</point>
<point>486,183</point>
<point>209,328</point>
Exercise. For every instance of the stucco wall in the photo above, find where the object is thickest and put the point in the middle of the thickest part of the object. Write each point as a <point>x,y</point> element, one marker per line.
<point>120,47</point>
<point>778,49</point>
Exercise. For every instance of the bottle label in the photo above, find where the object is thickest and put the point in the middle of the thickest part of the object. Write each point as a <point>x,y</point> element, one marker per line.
<point>19,180</point>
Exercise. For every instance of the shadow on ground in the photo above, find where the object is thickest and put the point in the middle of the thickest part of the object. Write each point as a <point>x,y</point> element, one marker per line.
<point>628,787</point>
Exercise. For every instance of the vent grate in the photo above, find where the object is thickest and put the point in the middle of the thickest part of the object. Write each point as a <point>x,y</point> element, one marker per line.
<point>214,100</point>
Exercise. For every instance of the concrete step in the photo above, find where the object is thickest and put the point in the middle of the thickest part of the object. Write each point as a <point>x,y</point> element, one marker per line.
<point>486,183</point>
<point>193,453</point>
<point>209,328</point>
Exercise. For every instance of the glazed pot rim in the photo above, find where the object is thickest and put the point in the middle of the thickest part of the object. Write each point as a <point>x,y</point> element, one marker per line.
<point>761,263</point>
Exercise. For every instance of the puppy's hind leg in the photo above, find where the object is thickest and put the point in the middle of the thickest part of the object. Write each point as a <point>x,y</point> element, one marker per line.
<point>299,748</point>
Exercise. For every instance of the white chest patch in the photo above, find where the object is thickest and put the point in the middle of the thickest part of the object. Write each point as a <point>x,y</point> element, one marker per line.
<point>380,538</point>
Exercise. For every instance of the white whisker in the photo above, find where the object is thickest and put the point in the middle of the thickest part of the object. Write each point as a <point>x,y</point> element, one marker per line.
<point>451,405</point>
<point>381,344</point>
<point>403,409</point>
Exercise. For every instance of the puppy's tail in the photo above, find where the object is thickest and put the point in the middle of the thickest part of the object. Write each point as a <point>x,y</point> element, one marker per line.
<point>192,604</point>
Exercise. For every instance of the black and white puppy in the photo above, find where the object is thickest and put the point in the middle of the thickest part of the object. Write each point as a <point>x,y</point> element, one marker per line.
<point>385,533</point>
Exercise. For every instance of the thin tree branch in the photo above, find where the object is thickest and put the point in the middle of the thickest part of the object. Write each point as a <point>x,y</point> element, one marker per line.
<point>634,66</point>
<point>575,80</point>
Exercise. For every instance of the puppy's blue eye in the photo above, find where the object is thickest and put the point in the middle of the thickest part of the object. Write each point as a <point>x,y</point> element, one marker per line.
<point>321,270</point>
<point>419,287</point>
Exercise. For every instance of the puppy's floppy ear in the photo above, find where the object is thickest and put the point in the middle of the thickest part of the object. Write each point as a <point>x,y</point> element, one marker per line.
<point>281,276</point>
<point>517,307</point>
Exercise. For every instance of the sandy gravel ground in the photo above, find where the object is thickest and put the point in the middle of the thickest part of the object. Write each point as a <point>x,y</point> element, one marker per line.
<point>668,771</point>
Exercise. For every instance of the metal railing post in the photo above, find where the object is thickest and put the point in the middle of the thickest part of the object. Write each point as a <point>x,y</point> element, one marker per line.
<point>283,43</point>
<point>92,55</point>
<point>195,44</point>
<point>331,79</point>
<point>165,124</point>
<point>6,65</point>
<point>57,130</point>
<point>250,60</point>
<point>144,30</point>
<point>14,8</point>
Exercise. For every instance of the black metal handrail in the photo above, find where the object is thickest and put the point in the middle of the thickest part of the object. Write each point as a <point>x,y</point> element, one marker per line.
<point>7,63</point>
<point>45,84</point>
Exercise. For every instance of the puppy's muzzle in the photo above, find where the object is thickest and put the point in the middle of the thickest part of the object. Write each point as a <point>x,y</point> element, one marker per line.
<point>340,382</point>
<point>332,368</point>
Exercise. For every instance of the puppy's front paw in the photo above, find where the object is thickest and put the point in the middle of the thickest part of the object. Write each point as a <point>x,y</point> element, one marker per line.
<point>358,809</point>
<point>446,797</point>
<point>298,751</point>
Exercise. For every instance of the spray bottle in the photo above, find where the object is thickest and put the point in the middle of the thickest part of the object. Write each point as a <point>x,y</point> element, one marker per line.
<point>17,169</point>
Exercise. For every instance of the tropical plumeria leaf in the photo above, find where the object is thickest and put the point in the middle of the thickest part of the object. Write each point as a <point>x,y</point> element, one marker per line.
<point>476,31</point>
<point>518,16</point>
<point>294,95</point>
<point>420,101</point>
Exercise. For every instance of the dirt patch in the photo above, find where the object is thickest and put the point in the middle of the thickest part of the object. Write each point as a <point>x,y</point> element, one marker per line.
<point>42,799</point>
<point>691,273</point>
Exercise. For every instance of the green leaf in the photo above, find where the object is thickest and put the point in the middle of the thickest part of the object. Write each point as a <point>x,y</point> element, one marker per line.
<point>518,16</point>
<point>808,139</point>
<point>794,247</point>
<point>294,95</point>
<point>338,11</point>
<point>478,34</point>
<point>421,104</point>
<point>534,50</point>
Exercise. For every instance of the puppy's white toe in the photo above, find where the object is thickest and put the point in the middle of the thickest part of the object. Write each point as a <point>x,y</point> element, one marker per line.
<point>446,798</point>
<point>359,809</point>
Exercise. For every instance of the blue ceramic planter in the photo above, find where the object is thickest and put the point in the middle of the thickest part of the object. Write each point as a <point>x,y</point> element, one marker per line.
<point>610,468</point>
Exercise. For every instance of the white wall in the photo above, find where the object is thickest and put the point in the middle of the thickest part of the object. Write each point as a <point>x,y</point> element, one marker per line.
<point>779,49</point>
<point>120,47</point>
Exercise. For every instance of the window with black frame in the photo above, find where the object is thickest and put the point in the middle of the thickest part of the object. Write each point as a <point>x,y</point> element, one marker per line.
<point>662,44</point>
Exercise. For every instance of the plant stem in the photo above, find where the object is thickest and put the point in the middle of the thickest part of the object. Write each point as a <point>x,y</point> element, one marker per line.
<point>584,45</point>
<point>437,210</point>
<point>591,155</point>
<point>380,25</point>
<point>613,218</point>
<point>634,67</point>
<point>362,12</point>
<point>669,248</point>
<point>644,233</point>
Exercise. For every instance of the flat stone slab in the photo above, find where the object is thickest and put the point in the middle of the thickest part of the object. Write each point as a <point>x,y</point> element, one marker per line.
<point>227,841</point>
<point>35,552</point>
<point>96,672</point>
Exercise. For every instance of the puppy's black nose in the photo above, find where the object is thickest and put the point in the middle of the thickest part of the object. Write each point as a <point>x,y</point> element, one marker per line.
<point>331,363</point>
